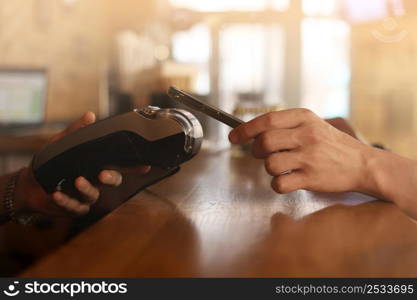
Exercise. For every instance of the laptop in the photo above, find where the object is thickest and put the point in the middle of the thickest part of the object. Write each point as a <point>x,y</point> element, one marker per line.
<point>23,96</point>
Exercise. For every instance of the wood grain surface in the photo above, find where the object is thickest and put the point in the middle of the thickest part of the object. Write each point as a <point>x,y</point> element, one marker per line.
<point>219,217</point>
<point>22,144</point>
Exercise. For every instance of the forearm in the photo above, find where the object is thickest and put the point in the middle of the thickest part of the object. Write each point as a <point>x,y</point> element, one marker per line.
<point>393,178</point>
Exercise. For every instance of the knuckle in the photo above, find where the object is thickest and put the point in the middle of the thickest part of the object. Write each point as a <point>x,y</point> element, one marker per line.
<point>270,165</point>
<point>91,192</point>
<point>294,138</point>
<point>310,156</point>
<point>243,132</point>
<point>60,201</point>
<point>305,112</point>
<point>267,142</point>
<point>303,160</point>
<point>95,194</point>
<point>312,134</point>
<point>257,152</point>
<point>71,205</point>
<point>269,119</point>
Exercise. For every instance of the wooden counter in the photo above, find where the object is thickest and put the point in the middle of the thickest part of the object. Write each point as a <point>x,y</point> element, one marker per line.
<point>22,144</point>
<point>219,217</point>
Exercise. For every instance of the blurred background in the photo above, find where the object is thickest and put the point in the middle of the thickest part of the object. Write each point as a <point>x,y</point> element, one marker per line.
<point>349,58</point>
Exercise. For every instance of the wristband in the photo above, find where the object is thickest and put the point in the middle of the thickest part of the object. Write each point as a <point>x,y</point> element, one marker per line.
<point>9,202</point>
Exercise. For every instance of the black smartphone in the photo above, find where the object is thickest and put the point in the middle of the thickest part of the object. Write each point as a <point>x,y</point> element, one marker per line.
<point>203,107</point>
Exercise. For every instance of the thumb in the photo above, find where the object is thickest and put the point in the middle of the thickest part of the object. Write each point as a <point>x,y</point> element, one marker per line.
<point>87,119</point>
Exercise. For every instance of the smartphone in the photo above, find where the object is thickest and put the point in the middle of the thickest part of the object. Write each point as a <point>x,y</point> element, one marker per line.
<point>203,107</point>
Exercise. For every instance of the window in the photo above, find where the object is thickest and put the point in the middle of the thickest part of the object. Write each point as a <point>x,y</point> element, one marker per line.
<point>251,63</point>
<point>326,68</point>
<point>252,57</point>
<point>320,8</point>
<point>228,5</point>
<point>359,11</point>
<point>193,47</point>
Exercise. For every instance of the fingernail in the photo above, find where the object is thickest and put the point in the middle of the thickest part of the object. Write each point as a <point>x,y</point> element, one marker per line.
<point>108,175</point>
<point>82,183</point>
<point>89,118</point>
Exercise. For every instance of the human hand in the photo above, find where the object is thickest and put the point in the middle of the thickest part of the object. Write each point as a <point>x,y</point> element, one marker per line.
<point>342,125</point>
<point>302,151</point>
<point>31,197</point>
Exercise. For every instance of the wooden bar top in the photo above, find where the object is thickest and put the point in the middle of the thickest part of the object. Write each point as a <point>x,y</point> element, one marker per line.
<point>22,144</point>
<point>219,217</point>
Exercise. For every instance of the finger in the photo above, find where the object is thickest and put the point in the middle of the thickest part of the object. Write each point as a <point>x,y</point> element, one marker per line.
<point>70,204</point>
<point>87,119</point>
<point>289,183</point>
<point>90,192</point>
<point>110,177</point>
<point>273,141</point>
<point>278,163</point>
<point>284,119</point>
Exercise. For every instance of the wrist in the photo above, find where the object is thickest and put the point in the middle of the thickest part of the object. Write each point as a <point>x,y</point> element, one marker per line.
<point>28,192</point>
<point>393,178</point>
<point>376,172</point>
<point>14,205</point>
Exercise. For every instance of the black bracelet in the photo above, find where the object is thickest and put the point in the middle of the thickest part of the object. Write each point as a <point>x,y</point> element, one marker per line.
<point>9,199</point>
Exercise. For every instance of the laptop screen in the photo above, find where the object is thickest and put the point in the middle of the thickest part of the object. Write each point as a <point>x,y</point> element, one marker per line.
<point>22,96</point>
